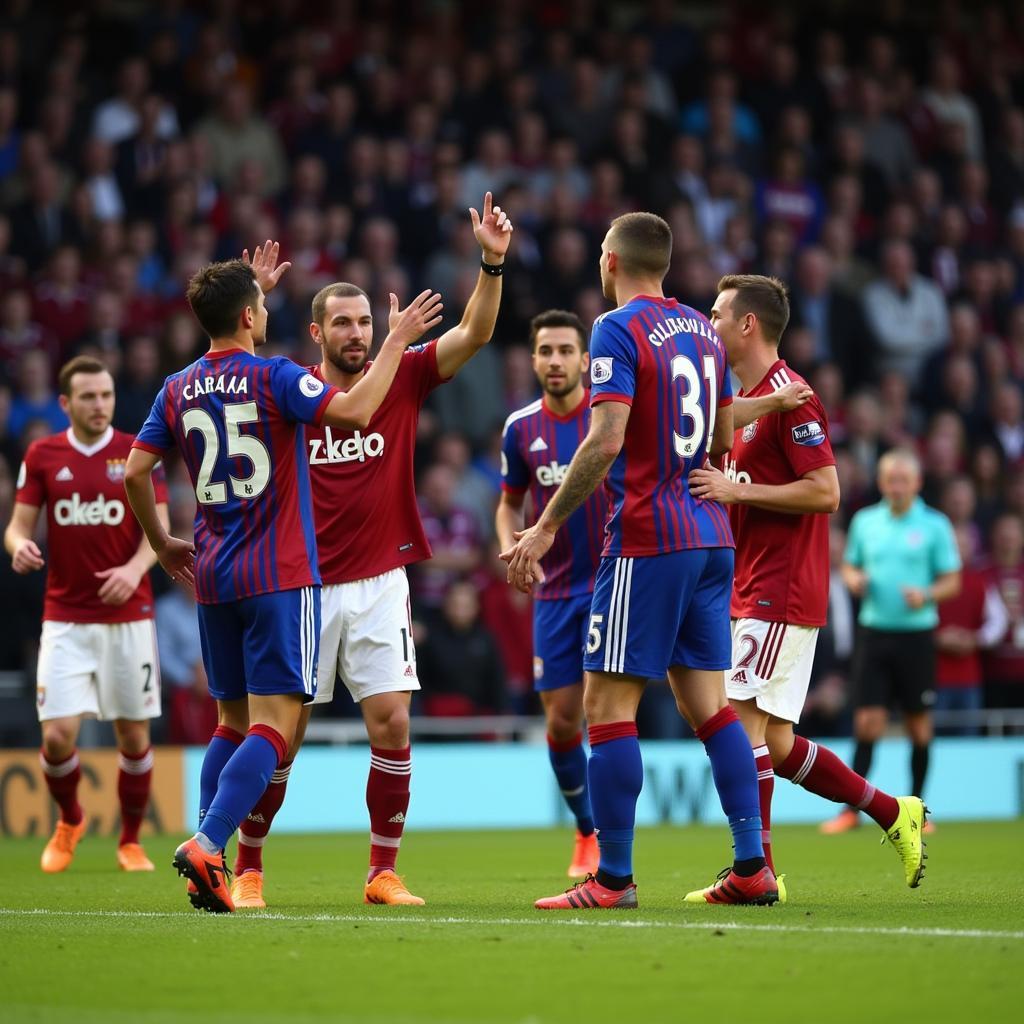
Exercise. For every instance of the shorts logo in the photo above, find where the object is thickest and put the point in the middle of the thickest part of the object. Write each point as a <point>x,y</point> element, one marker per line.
<point>538,669</point>
<point>810,435</point>
<point>740,677</point>
<point>310,386</point>
<point>115,470</point>
<point>409,672</point>
<point>40,696</point>
<point>749,431</point>
<point>601,370</point>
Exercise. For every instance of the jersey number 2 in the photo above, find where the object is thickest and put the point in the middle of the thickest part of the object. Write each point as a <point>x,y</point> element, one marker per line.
<point>240,446</point>
<point>686,445</point>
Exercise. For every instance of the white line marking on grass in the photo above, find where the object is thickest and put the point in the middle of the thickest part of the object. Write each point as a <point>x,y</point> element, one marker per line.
<point>543,920</point>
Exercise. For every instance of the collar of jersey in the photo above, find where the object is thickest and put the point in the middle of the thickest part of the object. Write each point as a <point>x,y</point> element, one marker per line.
<point>568,416</point>
<point>224,353</point>
<point>89,449</point>
<point>767,376</point>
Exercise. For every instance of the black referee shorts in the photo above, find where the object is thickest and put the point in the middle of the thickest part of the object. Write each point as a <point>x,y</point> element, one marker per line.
<point>894,668</point>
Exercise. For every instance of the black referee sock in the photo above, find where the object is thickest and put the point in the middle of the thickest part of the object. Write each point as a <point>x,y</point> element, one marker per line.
<point>918,768</point>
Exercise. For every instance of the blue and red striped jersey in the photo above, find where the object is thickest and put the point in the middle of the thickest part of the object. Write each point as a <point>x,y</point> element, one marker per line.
<point>664,360</point>
<point>236,419</point>
<point>536,448</point>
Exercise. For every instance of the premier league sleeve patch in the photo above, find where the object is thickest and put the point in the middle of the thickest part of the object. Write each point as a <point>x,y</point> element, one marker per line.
<point>310,386</point>
<point>810,435</point>
<point>601,370</point>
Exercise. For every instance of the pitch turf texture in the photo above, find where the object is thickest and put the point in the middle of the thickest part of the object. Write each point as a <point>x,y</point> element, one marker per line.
<point>97,946</point>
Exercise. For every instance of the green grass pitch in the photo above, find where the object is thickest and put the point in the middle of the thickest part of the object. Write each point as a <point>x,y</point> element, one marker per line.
<point>94,946</point>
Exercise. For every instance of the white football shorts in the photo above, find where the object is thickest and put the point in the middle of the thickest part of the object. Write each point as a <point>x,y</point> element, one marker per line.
<point>107,670</point>
<point>366,637</point>
<point>771,664</point>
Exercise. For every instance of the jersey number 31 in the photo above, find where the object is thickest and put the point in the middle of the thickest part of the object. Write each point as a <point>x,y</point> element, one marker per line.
<point>687,445</point>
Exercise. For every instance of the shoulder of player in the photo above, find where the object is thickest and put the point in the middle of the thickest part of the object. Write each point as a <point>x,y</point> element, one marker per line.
<point>521,414</point>
<point>52,444</point>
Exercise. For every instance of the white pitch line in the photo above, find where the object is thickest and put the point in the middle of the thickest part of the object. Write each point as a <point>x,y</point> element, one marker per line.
<point>544,921</point>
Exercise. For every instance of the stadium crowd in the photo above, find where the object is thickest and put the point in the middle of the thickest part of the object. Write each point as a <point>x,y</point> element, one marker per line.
<point>876,167</point>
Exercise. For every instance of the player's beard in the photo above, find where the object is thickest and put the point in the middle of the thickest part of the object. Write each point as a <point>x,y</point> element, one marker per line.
<point>567,386</point>
<point>349,360</point>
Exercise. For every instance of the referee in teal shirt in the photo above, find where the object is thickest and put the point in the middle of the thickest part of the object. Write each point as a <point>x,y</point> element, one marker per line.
<point>901,560</point>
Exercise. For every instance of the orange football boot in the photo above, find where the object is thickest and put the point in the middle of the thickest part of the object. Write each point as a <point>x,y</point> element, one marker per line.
<point>247,891</point>
<point>585,856</point>
<point>209,873</point>
<point>60,850</point>
<point>844,821</point>
<point>132,857</point>
<point>387,887</point>
<point>590,894</point>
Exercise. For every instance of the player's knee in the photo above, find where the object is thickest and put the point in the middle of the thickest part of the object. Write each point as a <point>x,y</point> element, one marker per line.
<point>390,728</point>
<point>132,737</point>
<point>562,725</point>
<point>58,741</point>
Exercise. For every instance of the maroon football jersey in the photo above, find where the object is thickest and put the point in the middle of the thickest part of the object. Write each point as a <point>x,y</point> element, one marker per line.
<point>782,563</point>
<point>364,493</point>
<point>89,524</point>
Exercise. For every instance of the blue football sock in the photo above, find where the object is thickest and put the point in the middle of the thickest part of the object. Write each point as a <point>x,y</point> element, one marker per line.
<point>569,763</point>
<point>735,775</point>
<point>242,783</point>
<point>223,744</point>
<point>616,776</point>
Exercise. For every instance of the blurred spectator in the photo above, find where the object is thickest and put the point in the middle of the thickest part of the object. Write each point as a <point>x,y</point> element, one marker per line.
<point>906,312</point>
<point>118,118</point>
<point>35,398</point>
<point>969,623</point>
<point>453,535</point>
<point>1004,662</point>
<point>508,614</point>
<point>456,637</point>
<point>138,383</point>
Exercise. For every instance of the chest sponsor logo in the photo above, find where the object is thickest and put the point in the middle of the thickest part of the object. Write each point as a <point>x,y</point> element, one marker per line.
<point>310,386</point>
<point>749,431</point>
<point>737,476</point>
<point>357,447</point>
<point>63,475</point>
<point>115,470</point>
<point>810,435</point>
<point>538,444</point>
<point>552,474</point>
<point>74,511</point>
<point>601,370</point>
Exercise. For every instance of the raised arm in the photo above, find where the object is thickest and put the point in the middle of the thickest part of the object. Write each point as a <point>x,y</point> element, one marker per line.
<point>493,231</point>
<point>353,409</point>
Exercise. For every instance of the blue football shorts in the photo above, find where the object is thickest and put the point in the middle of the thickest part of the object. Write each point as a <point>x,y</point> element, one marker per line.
<point>559,636</point>
<point>266,645</point>
<point>657,611</point>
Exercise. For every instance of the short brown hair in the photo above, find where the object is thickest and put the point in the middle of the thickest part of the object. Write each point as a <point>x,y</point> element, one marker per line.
<point>80,364</point>
<point>338,290</point>
<point>557,318</point>
<point>766,297</point>
<point>643,243</point>
<point>219,292</point>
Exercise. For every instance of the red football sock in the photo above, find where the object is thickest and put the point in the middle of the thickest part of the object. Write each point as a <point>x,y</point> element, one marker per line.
<point>134,778</point>
<point>765,788</point>
<point>252,833</point>
<point>819,771</point>
<point>387,798</point>
<point>62,778</point>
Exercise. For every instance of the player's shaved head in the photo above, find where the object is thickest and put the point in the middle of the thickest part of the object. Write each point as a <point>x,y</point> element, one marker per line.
<point>642,242</point>
<point>338,290</point>
<point>766,297</point>
<point>219,292</point>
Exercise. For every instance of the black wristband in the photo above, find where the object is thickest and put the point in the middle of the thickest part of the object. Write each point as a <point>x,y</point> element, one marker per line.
<point>494,269</point>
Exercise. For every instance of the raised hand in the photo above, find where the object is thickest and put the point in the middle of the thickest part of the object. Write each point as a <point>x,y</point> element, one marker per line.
<point>493,229</point>
<point>264,264</point>
<point>410,324</point>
